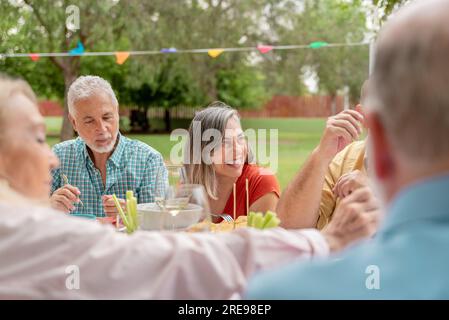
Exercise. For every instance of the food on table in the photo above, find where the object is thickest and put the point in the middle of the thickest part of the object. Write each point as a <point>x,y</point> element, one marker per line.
<point>129,218</point>
<point>223,226</point>
<point>255,220</point>
<point>259,221</point>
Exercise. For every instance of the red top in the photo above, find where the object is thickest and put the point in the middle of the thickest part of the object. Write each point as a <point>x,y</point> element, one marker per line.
<point>260,182</point>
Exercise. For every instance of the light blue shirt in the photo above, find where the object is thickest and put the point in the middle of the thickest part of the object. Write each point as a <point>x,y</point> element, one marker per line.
<point>408,259</point>
<point>133,165</point>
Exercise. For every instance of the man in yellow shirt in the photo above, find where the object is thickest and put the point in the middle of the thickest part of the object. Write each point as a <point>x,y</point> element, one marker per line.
<point>334,169</point>
<point>345,173</point>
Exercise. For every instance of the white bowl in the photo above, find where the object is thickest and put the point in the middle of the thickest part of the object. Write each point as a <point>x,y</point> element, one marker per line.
<point>152,218</point>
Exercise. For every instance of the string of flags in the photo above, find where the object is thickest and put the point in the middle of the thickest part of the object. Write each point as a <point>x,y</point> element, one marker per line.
<point>122,56</point>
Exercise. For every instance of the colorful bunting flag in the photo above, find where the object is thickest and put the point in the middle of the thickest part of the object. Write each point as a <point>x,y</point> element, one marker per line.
<point>78,51</point>
<point>34,56</point>
<point>318,44</point>
<point>121,57</point>
<point>264,48</point>
<point>169,50</point>
<point>215,52</point>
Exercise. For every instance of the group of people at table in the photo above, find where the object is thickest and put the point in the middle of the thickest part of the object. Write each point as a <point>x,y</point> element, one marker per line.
<point>381,201</point>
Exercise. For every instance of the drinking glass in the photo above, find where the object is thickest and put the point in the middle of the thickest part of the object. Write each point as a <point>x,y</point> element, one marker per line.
<point>184,207</point>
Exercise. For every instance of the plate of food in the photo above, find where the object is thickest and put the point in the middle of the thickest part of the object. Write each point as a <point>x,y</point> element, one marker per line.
<point>255,220</point>
<point>224,226</point>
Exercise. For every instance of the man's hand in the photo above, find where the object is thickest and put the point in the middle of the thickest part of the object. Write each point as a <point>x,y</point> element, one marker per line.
<point>350,182</point>
<point>356,217</point>
<point>299,204</point>
<point>340,131</point>
<point>64,198</point>
<point>109,205</point>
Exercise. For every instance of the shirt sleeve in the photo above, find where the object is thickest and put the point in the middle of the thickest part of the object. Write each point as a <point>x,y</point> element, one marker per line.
<point>262,183</point>
<point>54,256</point>
<point>345,161</point>
<point>154,181</point>
<point>328,201</point>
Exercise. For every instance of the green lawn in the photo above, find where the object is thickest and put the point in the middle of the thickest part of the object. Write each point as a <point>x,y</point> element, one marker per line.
<point>297,138</point>
<point>53,125</point>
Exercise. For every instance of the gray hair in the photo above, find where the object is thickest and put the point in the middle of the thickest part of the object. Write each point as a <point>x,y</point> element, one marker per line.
<point>215,116</point>
<point>410,83</point>
<point>8,87</point>
<point>87,86</point>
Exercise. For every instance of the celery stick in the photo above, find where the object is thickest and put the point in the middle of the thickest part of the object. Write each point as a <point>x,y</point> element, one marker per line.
<point>273,223</point>
<point>132,209</point>
<point>128,212</point>
<point>250,219</point>
<point>120,211</point>
<point>267,218</point>
<point>134,212</point>
<point>258,221</point>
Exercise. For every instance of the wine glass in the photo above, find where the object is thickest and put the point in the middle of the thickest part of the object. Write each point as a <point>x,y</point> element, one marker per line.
<point>176,174</point>
<point>184,206</point>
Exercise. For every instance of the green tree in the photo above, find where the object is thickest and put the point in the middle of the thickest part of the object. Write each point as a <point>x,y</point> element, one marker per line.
<point>389,6</point>
<point>242,79</point>
<point>340,67</point>
<point>40,26</point>
<point>168,87</point>
<point>121,26</point>
<point>242,87</point>
<point>318,20</point>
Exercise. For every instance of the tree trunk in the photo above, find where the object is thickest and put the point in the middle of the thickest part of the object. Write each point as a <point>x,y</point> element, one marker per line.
<point>333,104</point>
<point>167,120</point>
<point>67,129</point>
<point>212,92</point>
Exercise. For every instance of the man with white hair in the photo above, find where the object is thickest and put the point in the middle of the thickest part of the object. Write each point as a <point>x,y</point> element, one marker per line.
<point>408,118</point>
<point>101,162</point>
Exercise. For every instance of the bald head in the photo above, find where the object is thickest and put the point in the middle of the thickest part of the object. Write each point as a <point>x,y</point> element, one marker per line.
<point>410,82</point>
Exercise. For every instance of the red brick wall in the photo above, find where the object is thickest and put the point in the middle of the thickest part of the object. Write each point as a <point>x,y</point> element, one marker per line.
<point>278,106</point>
<point>50,108</point>
<point>290,106</point>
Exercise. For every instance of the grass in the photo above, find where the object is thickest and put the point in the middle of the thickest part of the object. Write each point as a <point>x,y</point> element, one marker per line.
<point>297,138</point>
<point>53,125</point>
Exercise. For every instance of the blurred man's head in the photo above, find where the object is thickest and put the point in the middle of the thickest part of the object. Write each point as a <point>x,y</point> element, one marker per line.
<point>364,91</point>
<point>363,96</point>
<point>93,111</point>
<point>408,97</point>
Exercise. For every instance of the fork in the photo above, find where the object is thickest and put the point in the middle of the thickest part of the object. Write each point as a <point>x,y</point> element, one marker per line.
<point>226,217</point>
<point>66,181</point>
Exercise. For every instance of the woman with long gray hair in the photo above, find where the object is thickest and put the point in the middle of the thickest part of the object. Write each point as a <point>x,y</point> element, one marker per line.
<point>217,156</point>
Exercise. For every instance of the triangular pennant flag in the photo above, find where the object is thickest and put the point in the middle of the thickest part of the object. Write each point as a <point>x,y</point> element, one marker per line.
<point>318,44</point>
<point>78,51</point>
<point>121,57</point>
<point>34,56</point>
<point>215,52</point>
<point>169,50</point>
<point>264,48</point>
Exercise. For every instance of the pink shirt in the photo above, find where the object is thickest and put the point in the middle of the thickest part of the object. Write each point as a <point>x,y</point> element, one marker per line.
<point>37,245</point>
